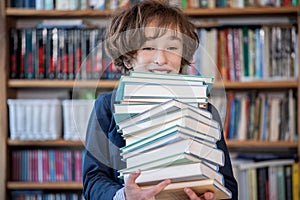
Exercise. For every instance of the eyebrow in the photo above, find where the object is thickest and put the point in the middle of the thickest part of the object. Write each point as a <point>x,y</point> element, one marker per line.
<point>173,37</point>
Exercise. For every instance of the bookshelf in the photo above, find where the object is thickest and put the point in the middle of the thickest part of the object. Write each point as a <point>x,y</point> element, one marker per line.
<point>8,87</point>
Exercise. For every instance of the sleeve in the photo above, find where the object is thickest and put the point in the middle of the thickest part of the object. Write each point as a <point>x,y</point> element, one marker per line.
<point>99,180</point>
<point>226,170</point>
<point>120,195</point>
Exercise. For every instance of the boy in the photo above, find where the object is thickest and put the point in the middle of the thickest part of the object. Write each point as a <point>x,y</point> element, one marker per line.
<point>149,36</point>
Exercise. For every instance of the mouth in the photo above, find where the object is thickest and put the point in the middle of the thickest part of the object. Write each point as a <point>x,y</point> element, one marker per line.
<point>160,70</point>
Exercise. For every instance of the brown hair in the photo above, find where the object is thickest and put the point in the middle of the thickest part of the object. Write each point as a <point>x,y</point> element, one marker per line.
<point>125,35</point>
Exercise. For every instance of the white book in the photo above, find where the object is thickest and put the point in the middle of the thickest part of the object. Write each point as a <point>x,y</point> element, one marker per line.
<point>156,142</point>
<point>188,146</point>
<point>165,107</point>
<point>268,163</point>
<point>133,142</point>
<point>175,190</point>
<point>209,80</point>
<point>190,101</point>
<point>178,173</point>
<point>185,117</point>
<point>169,161</point>
<point>164,91</point>
<point>153,80</point>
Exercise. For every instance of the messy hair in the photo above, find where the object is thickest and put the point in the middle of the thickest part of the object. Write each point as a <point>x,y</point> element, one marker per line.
<point>125,35</point>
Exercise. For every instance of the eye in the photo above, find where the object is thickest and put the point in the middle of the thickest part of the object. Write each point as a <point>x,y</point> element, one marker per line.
<point>148,48</point>
<point>172,48</point>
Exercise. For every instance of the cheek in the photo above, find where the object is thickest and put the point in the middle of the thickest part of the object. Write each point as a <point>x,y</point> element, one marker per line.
<point>143,58</point>
<point>175,60</point>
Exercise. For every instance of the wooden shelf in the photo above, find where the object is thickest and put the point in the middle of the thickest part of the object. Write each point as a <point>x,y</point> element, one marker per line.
<point>260,144</point>
<point>48,185</point>
<point>260,84</point>
<point>18,12</point>
<point>230,143</point>
<point>241,11</point>
<point>45,143</point>
<point>21,83</point>
<point>15,12</point>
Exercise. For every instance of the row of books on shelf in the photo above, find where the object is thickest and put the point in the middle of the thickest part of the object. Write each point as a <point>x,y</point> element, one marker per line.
<point>71,4</point>
<point>46,165</point>
<point>60,53</point>
<point>28,121</point>
<point>38,194</point>
<point>270,179</point>
<point>113,4</point>
<point>238,53</point>
<point>261,116</point>
<point>170,136</point>
<point>233,4</point>
<point>250,52</point>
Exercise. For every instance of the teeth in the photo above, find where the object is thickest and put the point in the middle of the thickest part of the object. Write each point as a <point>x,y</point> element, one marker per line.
<point>160,72</point>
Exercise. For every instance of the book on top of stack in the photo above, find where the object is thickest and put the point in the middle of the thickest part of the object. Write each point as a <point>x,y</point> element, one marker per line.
<point>169,134</point>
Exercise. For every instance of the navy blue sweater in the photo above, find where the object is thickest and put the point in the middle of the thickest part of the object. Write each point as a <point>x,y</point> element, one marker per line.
<point>102,156</point>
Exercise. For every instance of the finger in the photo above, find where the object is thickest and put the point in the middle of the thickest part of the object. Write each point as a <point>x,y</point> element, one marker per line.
<point>157,188</point>
<point>191,194</point>
<point>209,196</point>
<point>132,177</point>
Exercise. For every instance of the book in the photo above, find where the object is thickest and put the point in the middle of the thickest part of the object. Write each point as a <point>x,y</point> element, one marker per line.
<point>188,146</point>
<point>188,172</point>
<point>169,161</point>
<point>158,141</point>
<point>191,101</point>
<point>209,125</point>
<point>141,81</point>
<point>295,180</point>
<point>144,128</point>
<point>175,190</point>
<point>165,107</point>
<point>209,80</point>
<point>172,132</point>
<point>146,90</point>
<point>128,109</point>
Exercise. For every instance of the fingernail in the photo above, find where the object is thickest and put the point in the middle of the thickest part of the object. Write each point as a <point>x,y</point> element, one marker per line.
<point>208,196</point>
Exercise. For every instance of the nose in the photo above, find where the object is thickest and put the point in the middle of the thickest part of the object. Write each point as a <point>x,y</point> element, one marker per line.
<point>160,57</point>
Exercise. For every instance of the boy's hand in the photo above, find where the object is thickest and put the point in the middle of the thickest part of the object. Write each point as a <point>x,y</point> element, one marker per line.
<point>206,196</point>
<point>134,192</point>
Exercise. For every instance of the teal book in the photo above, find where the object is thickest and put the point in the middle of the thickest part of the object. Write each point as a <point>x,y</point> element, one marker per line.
<point>174,82</point>
<point>147,111</point>
<point>169,161</point>
<point>186,146</point>
<point>184,117</point>
<point>209,80</point>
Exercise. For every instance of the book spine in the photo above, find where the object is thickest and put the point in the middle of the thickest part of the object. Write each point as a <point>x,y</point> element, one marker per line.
<point>71,52</point>
<point>14,48</point>
<point>28,65</point>
<point>22,57</point>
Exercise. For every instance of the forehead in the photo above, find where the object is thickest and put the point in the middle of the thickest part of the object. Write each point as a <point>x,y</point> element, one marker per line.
<point>154,33</point>
<point>157,28</point>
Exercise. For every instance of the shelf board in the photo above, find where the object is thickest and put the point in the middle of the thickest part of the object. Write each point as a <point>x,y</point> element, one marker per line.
<point>259,84</point>
<point>17,12</point>
<point>241,11</point>
<point>48,185</point>
<point>21,83</point>
<point>230,143</point>
<point>260,144</point>
<point>45,143</point>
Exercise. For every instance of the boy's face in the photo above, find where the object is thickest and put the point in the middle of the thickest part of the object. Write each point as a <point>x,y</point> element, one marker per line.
<point>161,54</point>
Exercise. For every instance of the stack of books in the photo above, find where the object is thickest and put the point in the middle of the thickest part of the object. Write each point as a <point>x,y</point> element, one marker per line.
<point>168,135</point>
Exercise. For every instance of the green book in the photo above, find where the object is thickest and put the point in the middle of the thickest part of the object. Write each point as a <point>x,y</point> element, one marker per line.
<point>154,83</point>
